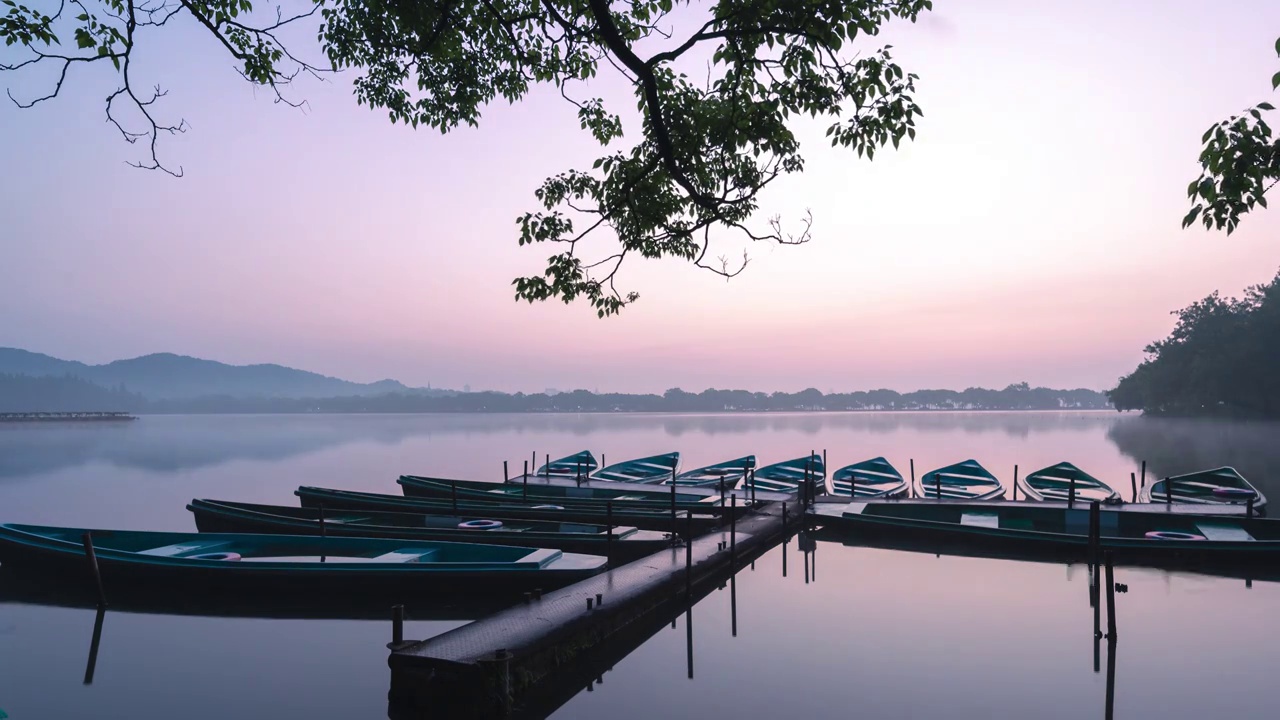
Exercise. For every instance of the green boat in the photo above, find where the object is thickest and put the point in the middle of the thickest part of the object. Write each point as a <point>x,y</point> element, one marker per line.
<point>729,472</point>
<point>579,465</point>
<point>219,562</point>
<point>1134,533</point>
<point>1220,486</point>
<point>567,495</point>
<point>962,481</point>
<point>869,479</point>
<point>789,475</point>
<point>217,516</point>
<point>498,508</point>
<point>1058,482</point>
<point>647,470</point>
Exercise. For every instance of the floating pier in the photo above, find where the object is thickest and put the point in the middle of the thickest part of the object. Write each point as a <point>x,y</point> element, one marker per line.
<point>94,416</point>
<point>485,668</point>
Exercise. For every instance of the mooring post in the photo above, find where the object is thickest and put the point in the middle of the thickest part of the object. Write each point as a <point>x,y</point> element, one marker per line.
<point>733,529</point>
<point>721,491</point>
<point>784,519</point>
<point>608,519</point>
<point>853,480</point>
<point>1144,473</point>
<point>1168,491</point>
<point>675,531</point>
<point>453,492</point>
<point>913,477</point>
<point>1111,599</point>
<point>1095,531</point>
<point>93,568</point>
<point>579,476</point>
<point>1133,487</point>
<point>505,477</point>
<point>937,485</point>
<point>548,466</point>
<point>1248,510</point>
<point>1015,481</point>
<point>533,462</point>
<point>524,489</point>
<point>1071,492</point>
<point>602,460</point>
<point>824,471</point>
<point>752,473</point>
<point>397,624</point>
<point>688,557</point>
<point>323,530</point>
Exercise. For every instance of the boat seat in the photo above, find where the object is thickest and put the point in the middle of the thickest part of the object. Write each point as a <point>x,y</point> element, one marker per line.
<point>188,548</point>
<point>1217,531</point>
<point>406,556</point>
<point>980,519</point>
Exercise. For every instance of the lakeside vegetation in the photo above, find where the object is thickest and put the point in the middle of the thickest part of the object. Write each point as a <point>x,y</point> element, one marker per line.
<point>1220,359</point>
<point>24,393</point>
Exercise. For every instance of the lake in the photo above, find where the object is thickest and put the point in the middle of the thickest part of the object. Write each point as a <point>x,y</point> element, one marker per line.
<point>847,630</point>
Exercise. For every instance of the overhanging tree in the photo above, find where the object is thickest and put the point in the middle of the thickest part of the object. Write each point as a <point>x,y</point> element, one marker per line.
<point>716,104</point>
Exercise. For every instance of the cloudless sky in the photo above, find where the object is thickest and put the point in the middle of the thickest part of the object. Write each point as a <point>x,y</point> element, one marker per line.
<point>1030,233</point>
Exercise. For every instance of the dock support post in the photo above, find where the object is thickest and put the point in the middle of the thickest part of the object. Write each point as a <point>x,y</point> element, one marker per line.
<point>324,531</point>
<point>733,530</point>
<point>548,466</point>
<point>1071,493</point>
<point>1248,510</point>
<point>533,462</point>
<point>913,477</point>
<point>397,624</point>
<point>602,461</point>
<point>1144,473</point>
<point>1133,487</point>
<point>784,519</point>
<point>722,491</point>
<point>824,471</point>
<point>506,478</point>
<point>1095,532</point>
<point>1015,481</point>
<point>524,489</point>
<point>688,558</point>
<point>1168,492</point>
<point>608,519</point>
<point>752,473</point>
<point>579,472</point>
<point>93,568</point>
<point>937,486</point>
<point>1111,600</point>
<point>675,530</point>
<point>453,492</point>
<point>853,480</point>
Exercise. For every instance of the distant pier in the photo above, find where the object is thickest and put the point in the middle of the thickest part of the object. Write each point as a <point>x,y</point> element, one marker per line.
<point>87,416</point>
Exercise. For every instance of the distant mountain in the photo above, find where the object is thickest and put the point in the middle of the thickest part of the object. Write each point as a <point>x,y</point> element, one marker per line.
<point>165,376</point>
<point>62,393</point>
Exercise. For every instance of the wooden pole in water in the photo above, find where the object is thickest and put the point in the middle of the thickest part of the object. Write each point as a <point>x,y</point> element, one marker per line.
<point>579,472</point>
<point>608,519</point>
<point>506,478</point>
<point>1071,492</point>
<point>675,531</point>
<point>548,465</point>
<point>1168,491</point>
<point>1144,473</point>
<point>937,485</point>
<point>1133,486</point>
<point>1015,481</point>
<point>733,529</point>
<point>1111,600</point>
<point>1095,531</point>
<point>912,493</point>
<point>533,462</point>
<point>323,530</point>
<point>524,490</point>
<point>721,491</point>
<point>824,471</point>
<point>453,491</point>
<point>853,480</point>
<point>92,556</point>
<point>752,474</point>
<point>602,460</point>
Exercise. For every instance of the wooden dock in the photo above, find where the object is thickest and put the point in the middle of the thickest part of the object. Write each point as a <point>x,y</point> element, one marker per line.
<point>85,416</point>
<point>483,669</point>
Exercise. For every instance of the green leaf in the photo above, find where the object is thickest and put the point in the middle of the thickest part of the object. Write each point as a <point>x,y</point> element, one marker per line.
<point>1191,216</point>
<point>1266,106</point>
<point>1277,46</point>
<point>1275,81</point>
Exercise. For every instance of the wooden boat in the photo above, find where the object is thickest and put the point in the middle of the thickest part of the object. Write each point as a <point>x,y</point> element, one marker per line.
<point>638,517</point>
<point>962,481</point>
<point>1221,486</point>
<point>618,495</point>
<point>647,470</point>
<point>874,478</point>
<point>730,472</point>
<point>218,516</point>
<point>1135,533</point>
<point>788,475</point>
<point>1056,482</point>
<point>265,563</point>
<point>578,465</point>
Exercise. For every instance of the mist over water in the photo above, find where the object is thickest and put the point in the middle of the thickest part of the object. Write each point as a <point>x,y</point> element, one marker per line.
<point>879,632</point>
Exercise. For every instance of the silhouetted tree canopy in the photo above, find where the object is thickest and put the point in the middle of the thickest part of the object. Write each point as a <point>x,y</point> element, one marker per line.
<point>1220,359</point>
<point>1240,162</point>
<point>717,85</point>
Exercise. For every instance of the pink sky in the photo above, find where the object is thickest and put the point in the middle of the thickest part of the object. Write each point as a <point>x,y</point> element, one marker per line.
<point>1030,233</point>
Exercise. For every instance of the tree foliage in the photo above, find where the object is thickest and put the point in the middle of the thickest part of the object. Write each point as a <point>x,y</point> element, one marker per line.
<point>1219,359</point>
<point>1240,162</point>
<point>717,100</point>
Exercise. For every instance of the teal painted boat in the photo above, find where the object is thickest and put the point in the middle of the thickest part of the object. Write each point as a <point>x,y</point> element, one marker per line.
<point>650,470</point>
<point>1220,486</point>
<point>788,475</point>
<point>1056,482</point>
<point>578,465</point>
<point>566,495</point>
<point>869,479</point>
<point>288,563</point>
<point>218,516</point>
<point>729,472</point>
<point>1135,533</point>
<point>962,481</point>
<point>644,518</point>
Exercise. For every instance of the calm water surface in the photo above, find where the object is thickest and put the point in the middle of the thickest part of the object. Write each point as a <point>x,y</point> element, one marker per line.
<point>847,631</point>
